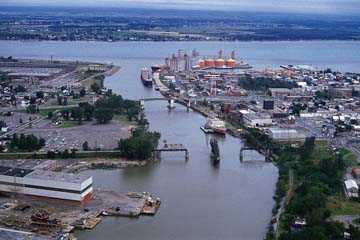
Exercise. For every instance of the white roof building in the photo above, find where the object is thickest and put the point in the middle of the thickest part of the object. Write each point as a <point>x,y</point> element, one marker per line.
<point>282,134</point>
<point>351,187</point>
<point>65,186</point>
<point>257,119</point>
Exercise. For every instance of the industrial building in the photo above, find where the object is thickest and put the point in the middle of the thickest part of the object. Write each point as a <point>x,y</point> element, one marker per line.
<point>268,105</point>
<point>257,119</point>
<point>286,135</point>
<point>39,183</point>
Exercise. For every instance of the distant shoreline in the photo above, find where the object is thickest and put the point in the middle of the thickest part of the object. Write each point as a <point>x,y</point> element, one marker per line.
<point>175,41</point>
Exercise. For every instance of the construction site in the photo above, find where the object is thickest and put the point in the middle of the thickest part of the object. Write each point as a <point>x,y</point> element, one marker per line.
<point>58,219</point>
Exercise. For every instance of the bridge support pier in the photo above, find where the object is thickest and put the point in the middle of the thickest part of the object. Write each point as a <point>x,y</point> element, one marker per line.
<point>186,155</point>
<point>142,104</point>
<point>171,104</point>
<point>188,106</point>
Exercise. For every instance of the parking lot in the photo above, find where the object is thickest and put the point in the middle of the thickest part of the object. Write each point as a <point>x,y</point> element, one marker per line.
<point>103,136</point>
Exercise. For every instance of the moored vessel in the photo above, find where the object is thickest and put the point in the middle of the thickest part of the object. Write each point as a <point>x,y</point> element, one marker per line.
<point>215,125</point>
<point>146,77</point>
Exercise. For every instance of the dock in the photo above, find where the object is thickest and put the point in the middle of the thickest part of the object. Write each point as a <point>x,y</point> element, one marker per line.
<point>159,84</point>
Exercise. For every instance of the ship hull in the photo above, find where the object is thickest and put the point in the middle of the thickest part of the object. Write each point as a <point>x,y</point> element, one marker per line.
<point>221,131</point>
<point>147,82</point>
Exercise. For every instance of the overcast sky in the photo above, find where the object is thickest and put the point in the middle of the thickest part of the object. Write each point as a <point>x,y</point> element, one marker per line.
<point>311,6</point>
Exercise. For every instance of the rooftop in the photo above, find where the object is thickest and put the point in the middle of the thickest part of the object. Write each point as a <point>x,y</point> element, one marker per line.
<point>58,176</point>
<point>350,183</point>
<point>14,172</point>
<point>11,234</point>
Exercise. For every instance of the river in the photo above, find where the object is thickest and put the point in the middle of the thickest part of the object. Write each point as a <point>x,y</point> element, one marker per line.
<point>233,201</point>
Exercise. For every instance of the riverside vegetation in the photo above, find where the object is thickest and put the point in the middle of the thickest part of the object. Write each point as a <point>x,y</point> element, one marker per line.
<point>139,146</point>
<point>317,176</point>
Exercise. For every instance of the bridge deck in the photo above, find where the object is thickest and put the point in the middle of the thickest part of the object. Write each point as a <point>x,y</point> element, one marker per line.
<point>173,148</point>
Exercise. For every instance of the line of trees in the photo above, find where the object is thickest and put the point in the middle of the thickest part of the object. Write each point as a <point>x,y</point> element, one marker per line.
<point>318,174</point>
<point>107,107</point>
<point>263,83</point>
<point>103,110</point>
<point>27,143</point>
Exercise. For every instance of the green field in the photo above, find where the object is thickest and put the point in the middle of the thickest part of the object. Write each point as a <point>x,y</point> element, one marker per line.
<point>339,205</point>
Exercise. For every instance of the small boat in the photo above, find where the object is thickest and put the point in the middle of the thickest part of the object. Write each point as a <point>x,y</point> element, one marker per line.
<point>105,213</point>
<point>146,77</point>
<point>216,125</point>
<point>243,65</point>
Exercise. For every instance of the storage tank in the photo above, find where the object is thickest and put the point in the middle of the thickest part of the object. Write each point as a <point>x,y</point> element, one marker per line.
<point>201,63</point>
<point>209,63</point>
<point>231,63</point>
<point>219,62</point>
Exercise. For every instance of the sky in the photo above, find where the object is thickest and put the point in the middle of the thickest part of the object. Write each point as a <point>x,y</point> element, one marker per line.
<point>298,6</point>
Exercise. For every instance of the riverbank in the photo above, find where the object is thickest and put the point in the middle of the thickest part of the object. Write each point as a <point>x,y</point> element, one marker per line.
<point>63,218</point>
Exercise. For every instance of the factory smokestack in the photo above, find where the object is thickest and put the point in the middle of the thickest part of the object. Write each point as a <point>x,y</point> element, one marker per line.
<point>233,54</point>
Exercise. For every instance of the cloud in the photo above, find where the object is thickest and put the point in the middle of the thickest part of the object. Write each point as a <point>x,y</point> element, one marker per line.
<point>317,6</point>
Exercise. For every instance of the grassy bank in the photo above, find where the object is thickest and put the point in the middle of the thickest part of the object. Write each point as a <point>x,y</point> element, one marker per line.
<point>314,192</point>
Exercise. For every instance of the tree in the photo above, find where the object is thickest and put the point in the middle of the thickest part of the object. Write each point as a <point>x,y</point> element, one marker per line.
<point>59,100</point>
<point>19,88</point>
<point>77,114</point>
<point>95,87</point>
<point>65,114</point>
<point>140,145</point>
<point>2,124</point>
<point>82,92</point>
<point>103,115</point>
<point>85,146</point>
<point>50,115</point>
<point>88,110</point>
<point>40,94</point>
<point>26,143</point>
<point>31,109</point>
<point>114,102</point>
<point>308,146</point>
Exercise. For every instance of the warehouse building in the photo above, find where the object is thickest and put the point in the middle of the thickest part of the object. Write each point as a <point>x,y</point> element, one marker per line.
<point>257,119</point>
<point>39,183</point>
<point>286,135</point>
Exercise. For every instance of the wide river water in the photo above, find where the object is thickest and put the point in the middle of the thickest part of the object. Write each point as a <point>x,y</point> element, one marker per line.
<point>233,201</point>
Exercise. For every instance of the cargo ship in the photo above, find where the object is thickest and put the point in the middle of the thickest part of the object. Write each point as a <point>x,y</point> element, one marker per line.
<point>214,125</point>
<point>146,77</point>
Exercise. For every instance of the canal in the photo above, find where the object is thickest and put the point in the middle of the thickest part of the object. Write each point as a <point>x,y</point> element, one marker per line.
<point>233,201</point>
<point>198,200</point>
